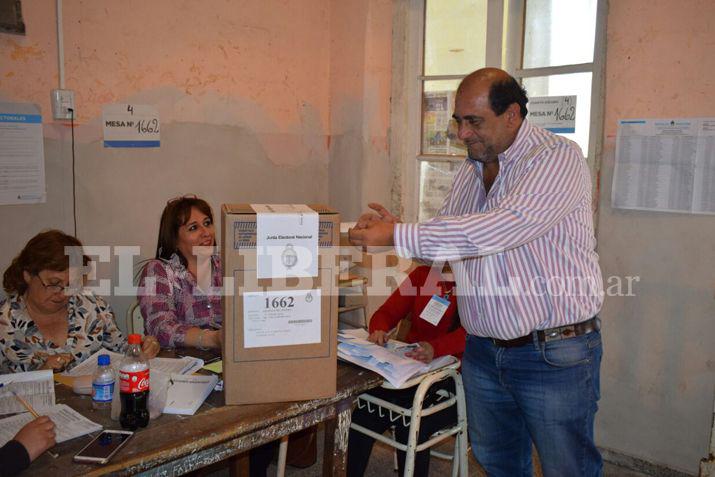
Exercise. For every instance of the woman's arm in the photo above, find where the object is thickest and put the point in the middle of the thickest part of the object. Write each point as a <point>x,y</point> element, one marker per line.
<point>156,300</point>
<point>18,348</point>
<point>399,304</point>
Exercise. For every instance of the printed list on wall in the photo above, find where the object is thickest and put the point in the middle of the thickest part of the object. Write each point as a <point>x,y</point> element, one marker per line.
<point>22,155</point>
<point>665,165</point>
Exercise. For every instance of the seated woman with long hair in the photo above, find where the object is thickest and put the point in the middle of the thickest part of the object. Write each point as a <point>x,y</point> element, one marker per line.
<point>44,322</point>
<point>180,290</point>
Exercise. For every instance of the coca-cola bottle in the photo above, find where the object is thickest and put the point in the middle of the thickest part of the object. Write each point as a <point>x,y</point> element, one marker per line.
<point>134,386</point>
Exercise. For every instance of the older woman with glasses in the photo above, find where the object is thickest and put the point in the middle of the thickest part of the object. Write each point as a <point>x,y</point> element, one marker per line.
<point>44,322</point>
<point>180,290</point>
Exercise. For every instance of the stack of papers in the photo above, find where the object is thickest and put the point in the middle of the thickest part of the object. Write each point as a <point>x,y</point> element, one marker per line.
<point>36,387</point>
<point>185,365</point>
<point>68,423</point>
<point>388,361</point>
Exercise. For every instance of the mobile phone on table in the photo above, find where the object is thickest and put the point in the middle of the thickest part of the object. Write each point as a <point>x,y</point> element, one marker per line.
<point>103,447</point>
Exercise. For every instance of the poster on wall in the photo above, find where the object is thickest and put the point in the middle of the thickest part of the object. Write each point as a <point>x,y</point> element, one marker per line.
<point>554,113</point>
<point>665,165</point>
<point>130,125</point>
<point>439,133</point>
<point>22,155</point>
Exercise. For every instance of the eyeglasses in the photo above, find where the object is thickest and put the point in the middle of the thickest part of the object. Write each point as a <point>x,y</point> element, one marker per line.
<point>187,196</point>
<point>51,288</point>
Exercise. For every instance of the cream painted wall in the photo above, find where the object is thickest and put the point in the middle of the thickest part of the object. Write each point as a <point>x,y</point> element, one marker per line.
<point>249,94</point>
<point>658,373</point>
<point>360,74</point>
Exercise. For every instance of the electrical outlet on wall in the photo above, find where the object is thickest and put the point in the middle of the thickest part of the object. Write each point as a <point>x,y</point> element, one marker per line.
<point>62,102</point>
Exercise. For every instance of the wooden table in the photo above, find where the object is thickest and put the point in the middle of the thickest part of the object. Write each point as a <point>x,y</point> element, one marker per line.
<point>174,445</point>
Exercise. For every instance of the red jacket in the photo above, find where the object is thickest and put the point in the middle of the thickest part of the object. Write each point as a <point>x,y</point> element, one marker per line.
<point>448,337</point>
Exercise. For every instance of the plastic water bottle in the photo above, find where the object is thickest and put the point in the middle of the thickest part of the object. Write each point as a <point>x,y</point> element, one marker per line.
<point>102,384</point>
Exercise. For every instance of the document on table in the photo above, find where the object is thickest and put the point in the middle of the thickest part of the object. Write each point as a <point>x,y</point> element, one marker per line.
<point>185,365</point>
<point>665,165</point>
<point>215,367</point>
<point>187,393</point>
<point>68,423</point>
<point>36,387</point>
<point>389,361</point>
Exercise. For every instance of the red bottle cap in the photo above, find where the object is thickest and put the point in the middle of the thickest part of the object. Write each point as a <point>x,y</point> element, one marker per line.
<point>134,339</point>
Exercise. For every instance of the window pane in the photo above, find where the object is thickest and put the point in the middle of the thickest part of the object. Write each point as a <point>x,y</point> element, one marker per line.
<point>455,36</point>
<point>578,84</point>
<point>438,131</point>
<point>435,182</point>
<point>559,32</point>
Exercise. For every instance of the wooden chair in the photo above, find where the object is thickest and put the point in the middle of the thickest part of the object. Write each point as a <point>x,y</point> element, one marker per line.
<point>135,320</point>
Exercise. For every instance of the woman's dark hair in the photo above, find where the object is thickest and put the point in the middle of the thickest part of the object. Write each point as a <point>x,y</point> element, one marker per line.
<point>176,213</point>
<point>44,251</point>
<point>504,92</point>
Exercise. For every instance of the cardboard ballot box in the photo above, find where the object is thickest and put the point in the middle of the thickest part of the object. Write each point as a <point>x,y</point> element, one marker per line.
<point>280,264</point>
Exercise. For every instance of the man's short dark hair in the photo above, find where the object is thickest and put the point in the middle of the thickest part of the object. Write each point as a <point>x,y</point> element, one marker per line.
<point>504,92</point>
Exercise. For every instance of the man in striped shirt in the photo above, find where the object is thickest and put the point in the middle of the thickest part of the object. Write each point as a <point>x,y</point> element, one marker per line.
<point>517,229</point>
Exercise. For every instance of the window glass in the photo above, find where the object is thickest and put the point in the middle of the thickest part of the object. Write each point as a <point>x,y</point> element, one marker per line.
<point>559,32</point>
<point>438,131</point>
<point>435,182</point>
<point>455,36</point>
<point>576,84</point>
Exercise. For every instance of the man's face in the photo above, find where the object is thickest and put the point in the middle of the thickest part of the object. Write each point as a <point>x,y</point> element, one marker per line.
<point>483,133</point>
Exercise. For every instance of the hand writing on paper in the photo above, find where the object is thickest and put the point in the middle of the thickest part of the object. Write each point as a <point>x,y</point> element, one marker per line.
<point>37,436</point>
<point>378,337</point>
<point>424,353</point>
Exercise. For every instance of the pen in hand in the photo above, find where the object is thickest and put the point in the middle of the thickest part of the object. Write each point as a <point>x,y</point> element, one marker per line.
<point>32,411</point>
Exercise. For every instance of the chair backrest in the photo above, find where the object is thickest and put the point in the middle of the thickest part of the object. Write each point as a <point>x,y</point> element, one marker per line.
<point>135,320</point>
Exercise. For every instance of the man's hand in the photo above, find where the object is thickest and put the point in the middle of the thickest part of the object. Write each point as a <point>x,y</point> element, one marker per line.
<point>37,436</point>
<point>374,233</point>
<point>383,215</point>
<point>424,353</point>
<point>378,337</point>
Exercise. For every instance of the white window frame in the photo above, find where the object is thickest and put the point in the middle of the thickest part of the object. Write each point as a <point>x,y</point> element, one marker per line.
<point>504,50</point>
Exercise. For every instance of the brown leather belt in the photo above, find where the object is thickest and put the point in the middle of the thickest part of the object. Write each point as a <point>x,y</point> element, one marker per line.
<point>552,334</point>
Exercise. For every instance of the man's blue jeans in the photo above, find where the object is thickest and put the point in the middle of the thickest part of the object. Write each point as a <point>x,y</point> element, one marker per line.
<point>545,393</point>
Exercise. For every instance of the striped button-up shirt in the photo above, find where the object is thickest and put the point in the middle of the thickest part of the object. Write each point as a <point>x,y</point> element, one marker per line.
<point>523,255</point>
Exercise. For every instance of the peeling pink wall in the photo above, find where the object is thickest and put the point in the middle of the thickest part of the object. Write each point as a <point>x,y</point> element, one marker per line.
<point>659,353</point>
<point>273,53</point>
<point>245,91</point>
<point>360,75</point>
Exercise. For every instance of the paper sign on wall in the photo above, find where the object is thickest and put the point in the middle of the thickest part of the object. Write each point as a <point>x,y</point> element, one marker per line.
<point>665,165</point>
<point>130,125</point>
<point>555,113</point>
<point>286,240</point>
<point>22,155</point>
<point>281,318</point>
